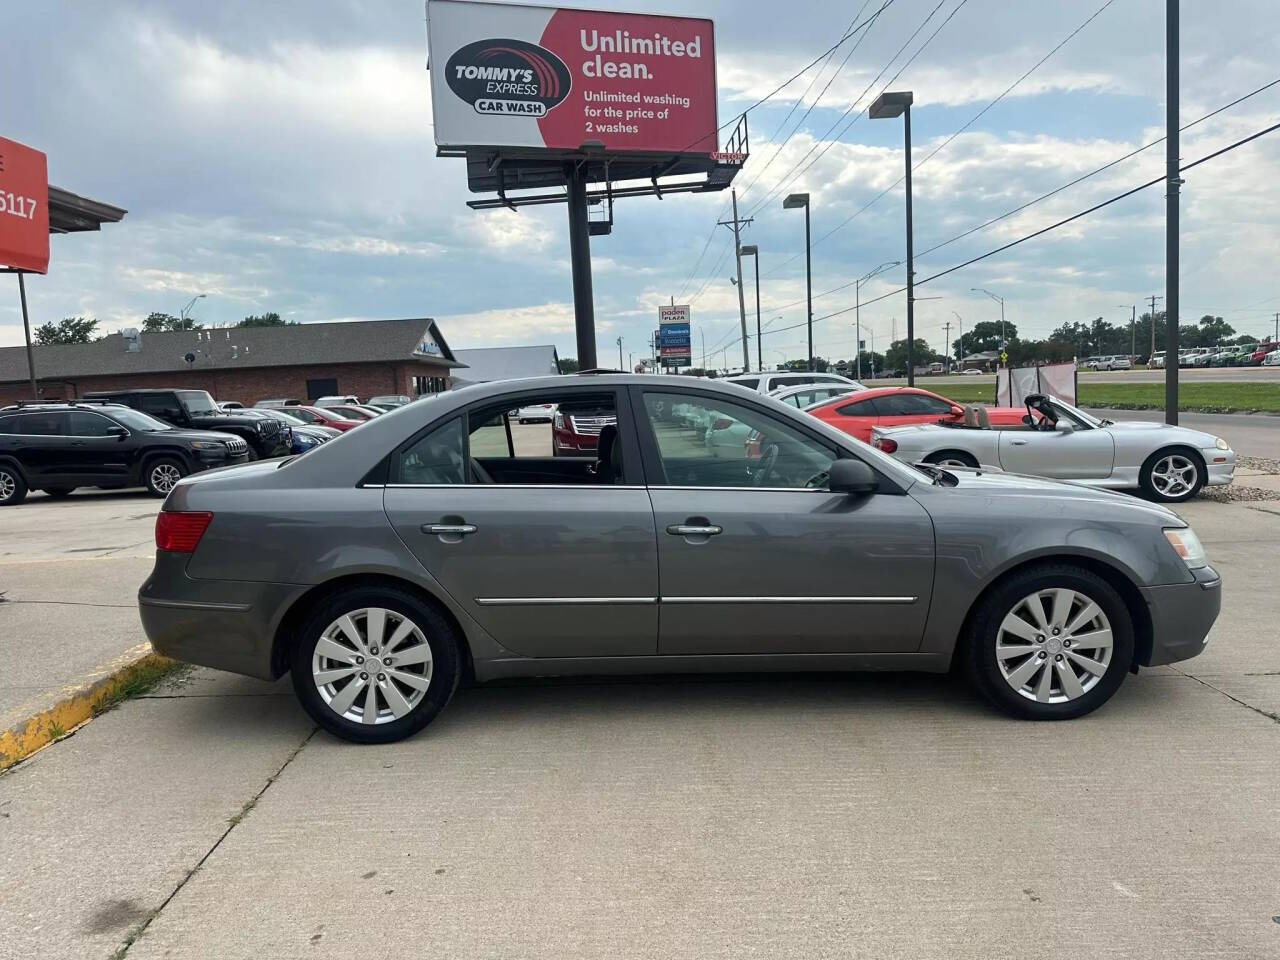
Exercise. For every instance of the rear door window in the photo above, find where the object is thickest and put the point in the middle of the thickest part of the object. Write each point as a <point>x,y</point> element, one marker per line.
<point>43,425</point>
<point>859,408</point>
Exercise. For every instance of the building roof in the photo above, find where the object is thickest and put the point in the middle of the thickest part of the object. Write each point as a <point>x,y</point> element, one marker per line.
<point>71,213</point>
<point>306,344</point>
<point>491,364</point>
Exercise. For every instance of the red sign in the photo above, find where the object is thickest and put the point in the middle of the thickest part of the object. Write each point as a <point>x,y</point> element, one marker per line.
<point>522,76</point>
<point>24,207</point>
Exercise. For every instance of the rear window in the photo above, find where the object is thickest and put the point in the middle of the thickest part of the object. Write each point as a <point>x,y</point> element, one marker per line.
<point>752,383</point>
<point>859,408</point>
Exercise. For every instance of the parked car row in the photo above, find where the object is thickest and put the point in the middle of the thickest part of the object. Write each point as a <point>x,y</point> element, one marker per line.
<point>153,438</point>
<point>1118,362</point>
<point>1246,355</point>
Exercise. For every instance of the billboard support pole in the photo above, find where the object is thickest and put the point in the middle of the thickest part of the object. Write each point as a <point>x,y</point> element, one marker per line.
<point>584,312</point>
<point>26,329</point>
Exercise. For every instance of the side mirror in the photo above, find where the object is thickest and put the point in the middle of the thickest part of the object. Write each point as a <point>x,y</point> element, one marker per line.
<point>1064,427</point>
<point>117,431</point>
<point>957,411</point>
<point>852,477</point>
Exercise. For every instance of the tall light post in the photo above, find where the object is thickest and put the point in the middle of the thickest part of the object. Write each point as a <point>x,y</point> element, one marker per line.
<point>961,350</point>
<point>794,202</point>
<point>182,314</point>
<point>888,106</point>
<point>1133,327</point>
<point>753,251</point>
<point>1000,300</point>
<point>621,368</point>
<point>857,308</point>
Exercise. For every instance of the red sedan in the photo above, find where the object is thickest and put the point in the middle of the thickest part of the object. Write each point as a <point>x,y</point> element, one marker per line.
<point>319,416</point>
<point>857,413</point>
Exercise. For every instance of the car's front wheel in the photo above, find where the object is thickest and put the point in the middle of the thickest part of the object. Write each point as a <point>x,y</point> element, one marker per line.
<point>13,489</point>
<point>1172,476</point>
<point>1050,643</point>
<point>375,664</point>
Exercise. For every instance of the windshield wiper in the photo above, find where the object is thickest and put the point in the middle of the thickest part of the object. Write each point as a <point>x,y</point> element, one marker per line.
<point>944,477</point>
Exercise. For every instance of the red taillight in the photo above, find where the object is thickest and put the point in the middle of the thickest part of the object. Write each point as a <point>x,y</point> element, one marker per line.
<point>887,445</point>
<point>722,423</point>
<point>180,532</point>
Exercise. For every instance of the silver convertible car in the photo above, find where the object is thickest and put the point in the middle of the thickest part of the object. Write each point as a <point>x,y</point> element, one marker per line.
<point>1057,440</point>
<point>440,542</point>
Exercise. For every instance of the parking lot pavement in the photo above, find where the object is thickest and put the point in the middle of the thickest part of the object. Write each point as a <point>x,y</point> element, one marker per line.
<point>830,816</point>
<point>69,575</point>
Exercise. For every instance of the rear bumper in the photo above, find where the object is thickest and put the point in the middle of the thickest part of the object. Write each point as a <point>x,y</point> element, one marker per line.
<point>225,624</point>
<point>1181,616</point>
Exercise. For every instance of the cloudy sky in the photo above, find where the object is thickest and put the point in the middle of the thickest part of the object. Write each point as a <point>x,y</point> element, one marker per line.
<point>280,156</point>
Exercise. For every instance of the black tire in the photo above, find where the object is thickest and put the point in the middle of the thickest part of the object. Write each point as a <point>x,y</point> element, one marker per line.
<point>1148,481</point>
<point>446,657</point>
<point>158,475</point>
<point>59,493</point>
<point>956,456</point>
<point>13,489</point>
<point>978,648</point>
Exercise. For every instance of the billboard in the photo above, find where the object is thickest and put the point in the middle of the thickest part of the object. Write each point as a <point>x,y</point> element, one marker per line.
<point>674,345</point>
<point>24,207</point>
<point>506,75</point>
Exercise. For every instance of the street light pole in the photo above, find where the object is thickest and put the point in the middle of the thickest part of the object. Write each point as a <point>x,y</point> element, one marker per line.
<point>621,368</point>
<point>753,251</point>
<point>888,105</point>
<point>1004,337</point>
<point>960,358</point>
<point>792,202</point>
<point>182,314</point>
<point>1173,180</point>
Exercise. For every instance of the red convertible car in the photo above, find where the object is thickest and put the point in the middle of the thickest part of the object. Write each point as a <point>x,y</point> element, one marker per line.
<point>857,413</point>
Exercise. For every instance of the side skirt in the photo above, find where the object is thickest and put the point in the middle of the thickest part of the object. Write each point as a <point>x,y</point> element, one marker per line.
<point>736,663</point>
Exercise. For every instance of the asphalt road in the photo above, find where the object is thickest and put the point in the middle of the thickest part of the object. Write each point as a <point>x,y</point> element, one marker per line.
<point>884,816</point>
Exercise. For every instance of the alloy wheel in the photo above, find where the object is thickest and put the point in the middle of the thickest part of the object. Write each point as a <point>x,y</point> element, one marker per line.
<point>372,665</point>
<point>1173,476</point>
<point>165,476</point>
<point>1054,646</point>
<point>8,486</point>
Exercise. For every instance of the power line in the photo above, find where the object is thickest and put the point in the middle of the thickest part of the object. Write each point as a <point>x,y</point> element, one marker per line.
<point>1053,226</point>
<point>972,120</point>
<point>795,172</point>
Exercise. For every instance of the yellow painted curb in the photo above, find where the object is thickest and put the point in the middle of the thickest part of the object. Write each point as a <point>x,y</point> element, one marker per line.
<point>79,702</point>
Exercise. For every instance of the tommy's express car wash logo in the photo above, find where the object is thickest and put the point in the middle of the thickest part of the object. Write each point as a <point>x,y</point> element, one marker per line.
<point>508,77</point>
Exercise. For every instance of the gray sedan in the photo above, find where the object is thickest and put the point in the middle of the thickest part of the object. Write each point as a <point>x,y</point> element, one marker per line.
<point>438,543</point>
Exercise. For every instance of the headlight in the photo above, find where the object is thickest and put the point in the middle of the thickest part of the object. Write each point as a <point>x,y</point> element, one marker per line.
<point>1222,444</point>
<point>207,445</point>
<point>1188,545</point>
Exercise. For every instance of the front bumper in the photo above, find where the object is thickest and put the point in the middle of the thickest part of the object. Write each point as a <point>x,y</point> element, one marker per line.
<point>225,624</point>
<point>1181,616</point>
<point>1220,466</point>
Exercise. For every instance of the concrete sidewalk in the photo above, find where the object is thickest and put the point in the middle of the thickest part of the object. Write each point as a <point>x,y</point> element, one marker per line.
<point>834,816</point>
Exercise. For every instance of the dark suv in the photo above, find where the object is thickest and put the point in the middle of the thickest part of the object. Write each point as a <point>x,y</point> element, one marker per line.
<point>195,409</point>
<point>56,447</point>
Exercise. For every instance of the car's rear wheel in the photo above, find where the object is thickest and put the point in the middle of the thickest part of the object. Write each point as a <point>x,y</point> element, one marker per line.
<point>13,489</point>
<point>59,492</point>
<point>951,458</point>
<point>1172,476</point>
<point>374,664</point>
<point>1050,643</point>
<point>163,474</point>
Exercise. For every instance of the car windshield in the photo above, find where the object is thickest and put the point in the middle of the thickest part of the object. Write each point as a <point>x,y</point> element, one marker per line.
<point>1075,413</point>
<point>136,420</point>
<point>198,402</point>
<point>284,417</point>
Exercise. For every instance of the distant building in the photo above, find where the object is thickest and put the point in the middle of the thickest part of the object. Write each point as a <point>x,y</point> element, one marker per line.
<point>491,364</point>
<point>986,360</point>
<point>307,361</point>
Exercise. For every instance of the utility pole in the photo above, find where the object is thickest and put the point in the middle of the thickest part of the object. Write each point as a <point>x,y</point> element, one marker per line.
<point>1133,331</point>
<point>946,343</point>
<point>736,225</point>
<point>621,368</point>
<point>1173,179</point>
<point>1277,336</point>
<point>1153,298</point>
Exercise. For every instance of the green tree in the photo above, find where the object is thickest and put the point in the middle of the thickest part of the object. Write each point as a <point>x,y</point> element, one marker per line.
<point>266,320</point>
<point>569,365</point>
<point>166,322</point>
<point>984,336</point>
<point>67,330</point>
<point>896,356</point>
<point>1214,330</point>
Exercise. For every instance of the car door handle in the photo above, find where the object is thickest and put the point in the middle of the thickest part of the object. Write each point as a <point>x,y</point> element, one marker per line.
<point>689,530</point>
<point>1017,443</point>
<point>449,529</point>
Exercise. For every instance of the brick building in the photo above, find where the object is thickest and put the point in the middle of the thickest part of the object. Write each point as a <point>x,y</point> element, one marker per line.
<point>306,361</point>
